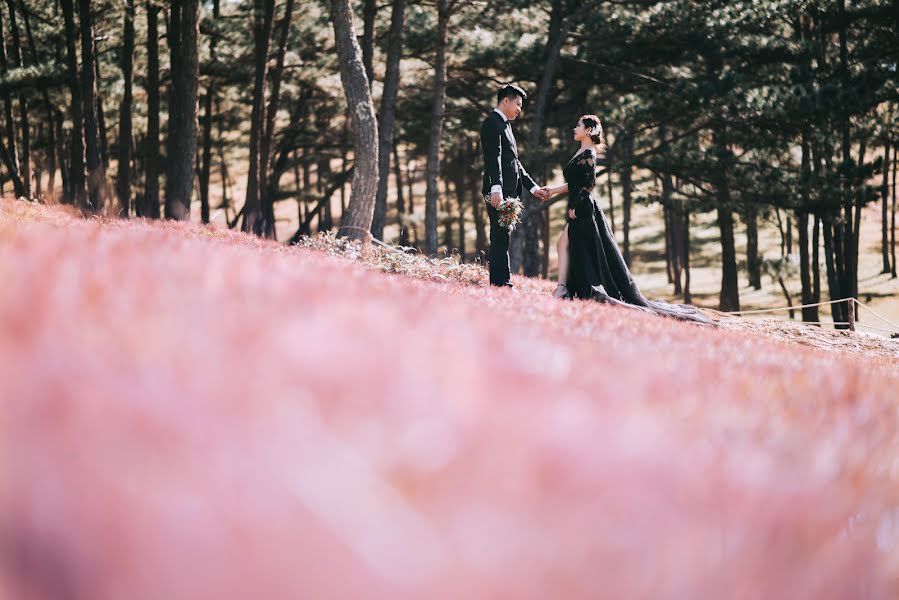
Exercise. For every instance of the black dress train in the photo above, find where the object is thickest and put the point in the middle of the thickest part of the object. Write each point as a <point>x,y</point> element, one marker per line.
<point>596,267</point>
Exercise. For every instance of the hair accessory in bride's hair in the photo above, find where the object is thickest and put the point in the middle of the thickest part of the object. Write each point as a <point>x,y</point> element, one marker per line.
<point>594,129</point>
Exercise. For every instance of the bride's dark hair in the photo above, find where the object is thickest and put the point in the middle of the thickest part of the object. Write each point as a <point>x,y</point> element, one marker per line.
<point>593,122</point>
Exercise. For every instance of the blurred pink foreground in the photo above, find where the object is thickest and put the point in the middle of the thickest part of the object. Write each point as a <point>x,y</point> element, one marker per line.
<point>191,413</point>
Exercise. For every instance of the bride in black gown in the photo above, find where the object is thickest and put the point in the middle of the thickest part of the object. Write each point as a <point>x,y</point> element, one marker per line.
<point>590,263</point>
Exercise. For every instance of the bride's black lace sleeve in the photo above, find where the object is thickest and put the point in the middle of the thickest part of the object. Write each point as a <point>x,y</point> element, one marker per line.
<point>585,175</point>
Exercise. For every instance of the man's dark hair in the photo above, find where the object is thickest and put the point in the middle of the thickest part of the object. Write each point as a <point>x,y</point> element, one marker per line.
<point>510,91</point>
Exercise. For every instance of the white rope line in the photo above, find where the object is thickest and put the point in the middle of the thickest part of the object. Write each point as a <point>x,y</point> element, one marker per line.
<point>801,306</point>
<point>846,323</point>
<point>876,314</point>
<point>817,323</point>
<point>876,328</point>
<point>797,307</point>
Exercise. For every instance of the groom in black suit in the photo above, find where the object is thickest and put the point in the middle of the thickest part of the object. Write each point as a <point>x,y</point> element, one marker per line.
<point>504,175</point>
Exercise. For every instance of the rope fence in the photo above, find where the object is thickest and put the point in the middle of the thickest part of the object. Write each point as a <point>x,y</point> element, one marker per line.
<point>798,307</point>
<point>851,323</point>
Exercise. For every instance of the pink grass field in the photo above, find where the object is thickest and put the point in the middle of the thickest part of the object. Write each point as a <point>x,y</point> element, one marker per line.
<point>187,412</point>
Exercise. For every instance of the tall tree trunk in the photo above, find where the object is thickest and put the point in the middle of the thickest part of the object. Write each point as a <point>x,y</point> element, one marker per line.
<point>269,185</point>
<point>48,106</point>
<point>279,165</point>
<point>24,164</point>
<point>846,241</point>
<point>356,221</point>
<point>227,199</point>
<point>679,234</point>
<point>832,275</point>
<point>182,143</point>
<point>479,224</point>
<point>205,170</point>
<point>101,120</point>
<point>39,167</point>
<point>323,172</point>
<point>410,180</point>
<point>10,149</point>
<point>298,190</point>
<point>387,116</point>
<point>400,201</point>
<point>460,185</point>
<point>840,289</point>
<point>64,164</point>
<point>208,103</point>
<point>369,12</point>
<point>688,296</point>
<point>344,149</point>
<point>25,159</point>
<point>627,187</point>
<point>729,298</point>
<point>810,275</point>
<point>123,186</point>
<point>816,265</point>
<point>666,221</point>
<point>18,186</point>
<point>307,169</point>
<point>95,175</point>
<point>788,234</point>
<point>818,165</point>
<point>149,206</point>
<point>446,210</point>
<point>437,115</point>
<point>51,155</point>
<point>893,217</point>
<point>858,200</point>
<point>885,202</point>
<point>676,267</point>
<point>672,225</point>
<point>783,234</point>
<point>478,208</point>
<point>254,220</point>
<point>753,261</point>
<point>808,313</point>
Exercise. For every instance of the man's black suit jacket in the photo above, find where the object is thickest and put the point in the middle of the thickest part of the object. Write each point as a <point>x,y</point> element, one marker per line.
<point>501,164</point>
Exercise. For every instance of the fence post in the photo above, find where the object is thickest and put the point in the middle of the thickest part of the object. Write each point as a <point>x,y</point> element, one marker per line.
<point>851,313</point>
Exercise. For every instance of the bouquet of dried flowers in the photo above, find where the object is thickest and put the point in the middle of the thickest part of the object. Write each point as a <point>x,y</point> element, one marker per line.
<point>509,211</point>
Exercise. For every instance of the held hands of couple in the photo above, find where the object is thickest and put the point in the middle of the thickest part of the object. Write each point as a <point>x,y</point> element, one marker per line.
<point>543,194</point>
